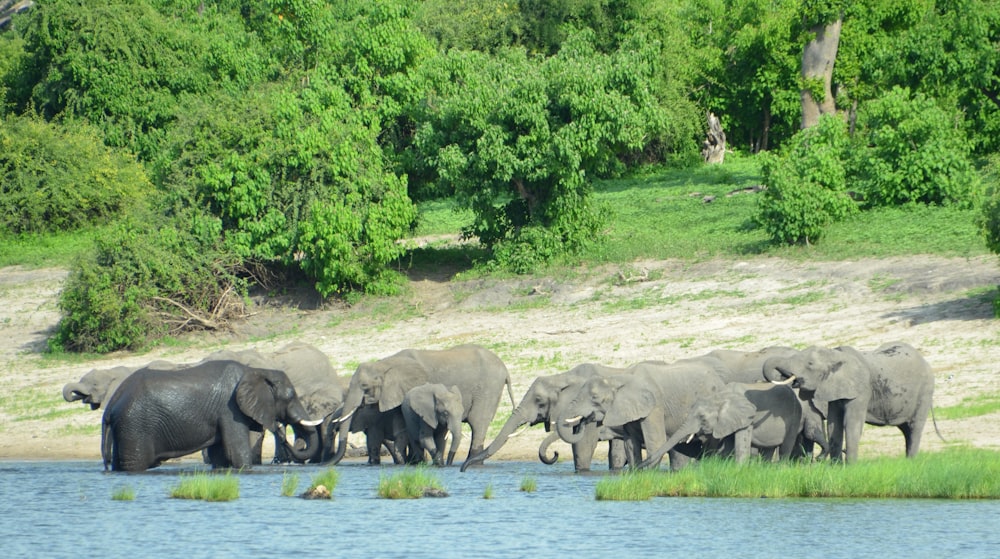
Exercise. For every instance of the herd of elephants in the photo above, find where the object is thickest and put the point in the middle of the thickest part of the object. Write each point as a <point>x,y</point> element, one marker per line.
<point>776,402</point>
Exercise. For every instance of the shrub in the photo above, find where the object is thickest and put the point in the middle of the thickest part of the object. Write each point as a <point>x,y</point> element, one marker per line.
<point>55,177</point>
<point>913,151</point>
<point>148,277</point>
<point>806,184</point>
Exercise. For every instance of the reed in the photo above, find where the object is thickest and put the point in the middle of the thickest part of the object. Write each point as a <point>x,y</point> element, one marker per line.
<point>411,483</point>
<point>289,483</point>
<point>123,493</point>
<point>961,473</point>
<point>529,484</point>
<point>207,487</point>
<point>488,492</point>
<point>327,478</point>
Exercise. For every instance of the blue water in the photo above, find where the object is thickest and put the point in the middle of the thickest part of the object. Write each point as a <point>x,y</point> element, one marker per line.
<point>64,509</point>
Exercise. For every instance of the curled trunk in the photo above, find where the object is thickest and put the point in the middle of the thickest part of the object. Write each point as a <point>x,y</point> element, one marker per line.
<point>543,449</point>
<point>686,431</point>
<point>571,429</point>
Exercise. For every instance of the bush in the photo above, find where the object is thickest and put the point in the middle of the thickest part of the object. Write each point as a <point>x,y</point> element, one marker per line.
<point>806,184</point>
<point>145,279</point>
<point>913,151</point>
<point>56,177</point>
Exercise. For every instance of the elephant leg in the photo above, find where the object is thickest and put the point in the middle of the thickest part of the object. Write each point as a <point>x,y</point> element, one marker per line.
<point>835,424</point>
<point>741,444</point>
<point>616,454</point>
<point>583,451</point>
<point>854,421</point>
<point>913,430</point>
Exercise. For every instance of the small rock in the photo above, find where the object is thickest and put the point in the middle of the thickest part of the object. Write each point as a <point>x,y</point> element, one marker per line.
<point>434,492</point>
<point>318,492</point>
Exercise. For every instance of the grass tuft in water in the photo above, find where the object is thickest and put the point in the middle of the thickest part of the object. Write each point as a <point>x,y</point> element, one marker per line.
<point>488,492</point>
<point>123,493</point>
<point>529,484</point>
<point>289,483</point>
<point>411,483</point>
<point>207,487</point>
<point>327,478</point>
<point>963,473</point>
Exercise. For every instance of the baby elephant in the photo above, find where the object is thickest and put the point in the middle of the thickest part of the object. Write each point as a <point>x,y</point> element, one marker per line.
<point>430,412</point>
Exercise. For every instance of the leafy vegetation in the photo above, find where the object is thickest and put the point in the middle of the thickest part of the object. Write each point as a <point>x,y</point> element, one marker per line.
<point>284,141</point>
<point>123,493</point>
<point>327,478</point>
<point>960,473</point>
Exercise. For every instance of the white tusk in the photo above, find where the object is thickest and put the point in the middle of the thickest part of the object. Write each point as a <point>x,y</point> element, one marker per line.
<point>573,420</point>
<point>310,423</point>
<point>690,438</point>
<point>785,382</point>
<point>344,418</point>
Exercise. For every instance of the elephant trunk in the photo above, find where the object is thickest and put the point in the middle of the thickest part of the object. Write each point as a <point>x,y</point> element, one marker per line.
<point>352,403</point>
<point>310,436</point>
<point>571,429</point>
<point>776,372</point>
<point>543,449</point>
<point>685,433</point>
<point>73,391</point>
<point>456,438</point>
<point>517,419</point>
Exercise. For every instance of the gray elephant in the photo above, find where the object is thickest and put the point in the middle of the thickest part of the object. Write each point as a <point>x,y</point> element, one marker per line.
<point>431,412</point>
<point>95,387</point>
<point>381,429</point>
<point>477,372</point>
<point>646,407</point>
<point>748,367</point>
<point>538,406</point>
<point>892,385</point>
<point>158,415</point>
<point>739,418</point>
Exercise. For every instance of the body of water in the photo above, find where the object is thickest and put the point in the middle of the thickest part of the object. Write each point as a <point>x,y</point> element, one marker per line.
<point>65,509</point>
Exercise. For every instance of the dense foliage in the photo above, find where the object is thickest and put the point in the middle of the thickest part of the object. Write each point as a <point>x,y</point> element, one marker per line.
<point>293,135</point>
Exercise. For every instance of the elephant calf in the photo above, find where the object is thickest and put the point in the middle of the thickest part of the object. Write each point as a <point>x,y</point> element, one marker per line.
<point>431,411</point>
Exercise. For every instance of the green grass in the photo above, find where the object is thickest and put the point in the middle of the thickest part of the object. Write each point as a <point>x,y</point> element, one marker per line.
<point>411,483</point>
<point>207,487</point>
<point>963,473</point>
<point>972,406</point>
<point>327,478</point>
<point>488,492</point>
<point>529,484</point>
<point>123,493</point>
<point>289,484</point>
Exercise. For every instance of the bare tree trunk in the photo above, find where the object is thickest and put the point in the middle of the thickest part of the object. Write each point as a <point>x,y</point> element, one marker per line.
<point>714,146</point>
<point>818,58</point>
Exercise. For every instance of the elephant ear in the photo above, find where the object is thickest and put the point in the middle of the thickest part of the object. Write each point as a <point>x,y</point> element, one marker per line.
<point>255,397</point>
<point>735,412</point>
<point>426,409</point>
<point>396,382</point>
<point>629,405</point>
<point>845,380</point>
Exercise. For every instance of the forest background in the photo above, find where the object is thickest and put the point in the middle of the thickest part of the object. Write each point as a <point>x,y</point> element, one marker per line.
<point>178,154</point>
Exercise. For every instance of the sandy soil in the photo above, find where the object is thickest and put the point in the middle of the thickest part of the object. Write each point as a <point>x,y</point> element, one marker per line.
<point>614,315</point>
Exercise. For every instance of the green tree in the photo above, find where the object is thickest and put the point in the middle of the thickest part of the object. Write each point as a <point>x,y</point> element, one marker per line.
<point>519,139</point>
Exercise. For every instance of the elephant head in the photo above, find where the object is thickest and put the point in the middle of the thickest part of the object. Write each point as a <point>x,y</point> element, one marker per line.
<point>825,374</point>
<point>383,383</point>
<point>715,417</point>
<point>96,386</point>
<point>591,405</point>
<point>267,397</point>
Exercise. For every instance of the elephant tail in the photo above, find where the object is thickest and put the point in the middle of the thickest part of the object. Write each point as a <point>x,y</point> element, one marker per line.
<point>510,392</point>
<point>934,421</point>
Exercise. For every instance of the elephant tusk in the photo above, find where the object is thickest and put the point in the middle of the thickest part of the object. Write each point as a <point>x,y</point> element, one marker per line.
<point>785,382</point>
<point>690,438</point>
<point>518,432</point>
<point>344,418</point>
<point>310,423</point>
<point>573,420</point>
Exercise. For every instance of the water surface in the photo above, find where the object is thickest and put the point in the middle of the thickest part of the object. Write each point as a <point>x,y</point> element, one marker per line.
<point>65,509</point>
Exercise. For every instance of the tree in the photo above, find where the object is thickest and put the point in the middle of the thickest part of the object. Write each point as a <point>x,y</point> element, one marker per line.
<point>818,58</point>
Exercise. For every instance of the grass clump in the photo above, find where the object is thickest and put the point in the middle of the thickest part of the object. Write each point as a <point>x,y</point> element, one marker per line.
<point>323,484</point>
<point>488,492</point>
<point>964,473</point>
<point>289,483</point>
<point>207,487</point>
<point>411,483</point>
<point>123,493</point>
<point>971,406</point>
<point>529,484</point>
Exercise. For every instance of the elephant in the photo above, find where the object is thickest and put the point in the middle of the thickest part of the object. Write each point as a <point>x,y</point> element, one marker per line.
<point>646,407</point>
<point>430,412</point>
<point>538,406</point>
<point>741,417</point>
<point>98,385</point>
<point>748,367</point>
<point>157,415</point>
<point>477,372</point>
<point>891,385</point>
<point>386,429</point>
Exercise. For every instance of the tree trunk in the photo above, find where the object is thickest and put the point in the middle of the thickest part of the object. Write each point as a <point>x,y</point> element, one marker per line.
<point>714,146</point>
<point>818,58</point>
